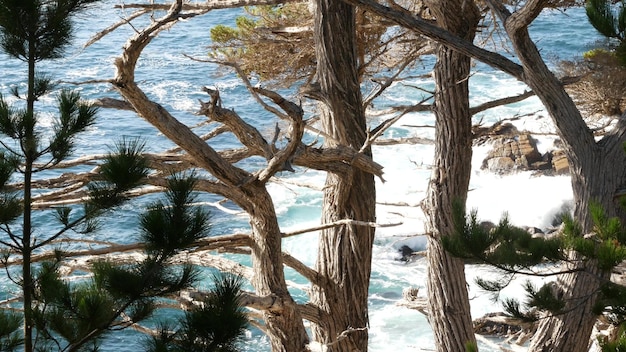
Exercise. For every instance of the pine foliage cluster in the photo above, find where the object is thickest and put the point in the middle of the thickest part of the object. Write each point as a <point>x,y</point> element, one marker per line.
<point>516,252</point>
<point>610,23</point>
<point>216,325</point>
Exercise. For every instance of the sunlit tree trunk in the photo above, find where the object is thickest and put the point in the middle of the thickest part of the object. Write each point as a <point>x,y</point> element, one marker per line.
<point>449,308</point>
<point>345,252</point>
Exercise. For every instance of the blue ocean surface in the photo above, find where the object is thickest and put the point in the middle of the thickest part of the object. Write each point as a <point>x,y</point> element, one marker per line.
<point>175,82</point>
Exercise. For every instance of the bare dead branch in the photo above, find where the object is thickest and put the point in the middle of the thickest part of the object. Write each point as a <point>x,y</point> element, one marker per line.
<point>280,161</point>
<point>404,140</point>
<point>309,273</point>
<point>244,78</point>
<point>503,101</point>
<point>386,83</point>
<point>110,103</point>
<point>247,134</point>
<point>442,36</point>
<point>113,27</point>
<point>204,258</point>
<point>338,223</point>
<point>380,129</point>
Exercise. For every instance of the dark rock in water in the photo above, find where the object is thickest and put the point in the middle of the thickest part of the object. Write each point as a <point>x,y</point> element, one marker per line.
<point>406,253</point>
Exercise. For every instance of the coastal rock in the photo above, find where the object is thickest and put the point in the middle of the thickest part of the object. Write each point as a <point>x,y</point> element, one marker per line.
<point>560,163</point>
<point>407,254</point>
<point>513,150</point>
<point>483,135</point>
<point>500,164</point>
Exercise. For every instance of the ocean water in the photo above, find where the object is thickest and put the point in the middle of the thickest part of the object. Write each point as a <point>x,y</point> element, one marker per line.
<point>175,82</point>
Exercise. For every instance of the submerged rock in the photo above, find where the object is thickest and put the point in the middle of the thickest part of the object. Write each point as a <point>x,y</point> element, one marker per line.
<point>406,253</point>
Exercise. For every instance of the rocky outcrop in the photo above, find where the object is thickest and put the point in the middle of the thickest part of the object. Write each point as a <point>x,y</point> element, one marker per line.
<point>559,162</point>
<point>517,151</point>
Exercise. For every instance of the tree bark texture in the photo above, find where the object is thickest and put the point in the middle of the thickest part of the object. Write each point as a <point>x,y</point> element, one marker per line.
<point>449,305</point>
<point>283,321</point>
<point>345,252</point>
<point>597,177</point>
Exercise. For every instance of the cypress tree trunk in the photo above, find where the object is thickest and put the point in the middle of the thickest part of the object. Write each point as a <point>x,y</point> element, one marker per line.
<point>597,171</point>
<point>599,177</point>
<point>449,313</point>
<point>596,167</point>
<point>284,324</point>
<point>345,253</point>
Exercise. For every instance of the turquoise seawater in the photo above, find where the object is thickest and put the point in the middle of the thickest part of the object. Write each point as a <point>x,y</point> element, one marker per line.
<point>176,81</point>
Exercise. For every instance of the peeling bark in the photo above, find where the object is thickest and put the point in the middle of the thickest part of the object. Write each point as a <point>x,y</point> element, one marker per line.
<point>449,307</point>
<point>345,253</point>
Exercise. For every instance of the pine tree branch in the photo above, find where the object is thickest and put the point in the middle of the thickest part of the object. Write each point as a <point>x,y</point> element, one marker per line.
<point>60,232</point>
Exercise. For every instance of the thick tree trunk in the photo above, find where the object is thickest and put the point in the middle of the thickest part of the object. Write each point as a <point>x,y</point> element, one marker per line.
<point>597,171</point>
<point>449,308</point>
<point>596,168</point>
<point>345,252</point>
<point>599,177</point>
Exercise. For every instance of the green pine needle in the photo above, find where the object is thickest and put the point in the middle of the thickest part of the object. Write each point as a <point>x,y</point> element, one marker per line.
<point>601,17</point>
<point>126,167</point>
<point>168,228</point>
<point>10,330</point>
